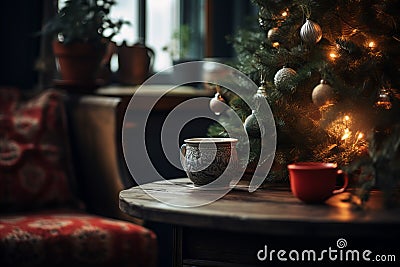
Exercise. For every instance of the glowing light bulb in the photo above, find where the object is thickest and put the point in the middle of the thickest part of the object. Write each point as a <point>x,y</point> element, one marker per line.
<point>332,56</point>
<point>275,44</point>
<point>285,13</point>
<point>371,44</point>
<point>346,134</point>
<point>346,118</point>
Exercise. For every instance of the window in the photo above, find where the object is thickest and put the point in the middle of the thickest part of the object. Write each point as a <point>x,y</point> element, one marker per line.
<point>155,22</point>
<point>128,10</point>
<point>161,19</point>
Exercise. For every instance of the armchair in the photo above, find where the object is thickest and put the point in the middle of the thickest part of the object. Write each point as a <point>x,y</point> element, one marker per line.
<point>44,215</point>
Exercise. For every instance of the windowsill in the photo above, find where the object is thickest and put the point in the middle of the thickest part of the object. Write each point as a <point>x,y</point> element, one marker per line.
<point>166,96</point>
<point>153,90</point>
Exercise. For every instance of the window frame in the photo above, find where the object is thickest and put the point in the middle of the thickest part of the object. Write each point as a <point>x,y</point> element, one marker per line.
<point>207,42</point>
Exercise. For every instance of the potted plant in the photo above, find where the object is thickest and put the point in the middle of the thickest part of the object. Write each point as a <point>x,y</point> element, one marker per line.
<point>82,31</point>
<point>178,48</point>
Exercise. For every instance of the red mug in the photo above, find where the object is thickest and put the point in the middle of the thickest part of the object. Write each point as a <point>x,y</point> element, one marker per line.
<point>315,182</point>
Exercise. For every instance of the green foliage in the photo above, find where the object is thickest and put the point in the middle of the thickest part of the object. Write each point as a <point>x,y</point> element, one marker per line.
<point>358,56</point>
<point>84,21</point>
<point>178,48</point>
<point>381,167</point>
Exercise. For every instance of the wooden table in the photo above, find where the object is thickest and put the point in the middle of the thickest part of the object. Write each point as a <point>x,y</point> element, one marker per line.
<point>232,230</point>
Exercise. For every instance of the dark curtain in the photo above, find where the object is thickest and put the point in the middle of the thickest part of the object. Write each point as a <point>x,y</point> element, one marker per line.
<point>20,20</point>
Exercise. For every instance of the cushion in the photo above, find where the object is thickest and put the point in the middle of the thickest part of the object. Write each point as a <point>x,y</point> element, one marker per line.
<point>66,238</point>
<point>35,171</point>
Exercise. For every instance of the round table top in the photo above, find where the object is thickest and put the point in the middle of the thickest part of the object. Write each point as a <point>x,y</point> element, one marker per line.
<point>270,210</point>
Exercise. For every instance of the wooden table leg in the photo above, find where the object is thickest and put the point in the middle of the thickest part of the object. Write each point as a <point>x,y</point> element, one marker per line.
<point>177,246</point>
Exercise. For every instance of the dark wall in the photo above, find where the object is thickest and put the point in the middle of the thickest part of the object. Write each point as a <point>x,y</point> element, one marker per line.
<point>19,21</point>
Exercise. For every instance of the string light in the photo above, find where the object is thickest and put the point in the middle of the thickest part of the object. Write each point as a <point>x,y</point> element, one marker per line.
<point>371,44</point>
<point>275,44</point>
<point>350,141</point>
<point>346,141</point>
<point>346,134</point>
<point>332,56</point>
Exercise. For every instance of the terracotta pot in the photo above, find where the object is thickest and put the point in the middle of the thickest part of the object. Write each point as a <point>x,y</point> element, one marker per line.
<point>79,62</point>
<point>134,63</point>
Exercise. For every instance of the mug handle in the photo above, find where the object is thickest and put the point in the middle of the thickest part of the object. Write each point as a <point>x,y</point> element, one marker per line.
<point>346,182</point>
<point>183,156</point>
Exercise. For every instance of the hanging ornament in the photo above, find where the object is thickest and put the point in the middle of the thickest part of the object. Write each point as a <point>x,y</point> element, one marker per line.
<point>323,94</point>
<point>217,104</point>
<point>251,125</point>
<point>310,32</point>
<point>384,100</point>
<point>273,35</point>
<point>284,79</point>
<point>262,90</point>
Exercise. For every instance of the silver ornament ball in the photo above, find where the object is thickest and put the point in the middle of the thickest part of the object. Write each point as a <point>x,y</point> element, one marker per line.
<point>323,94</point>
<point>284,77</point>
<point>311,32</point>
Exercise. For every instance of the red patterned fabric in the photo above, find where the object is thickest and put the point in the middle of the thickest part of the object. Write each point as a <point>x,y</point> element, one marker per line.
<point>34,168</point>
<point>35,176</point>
<point>74,239</point>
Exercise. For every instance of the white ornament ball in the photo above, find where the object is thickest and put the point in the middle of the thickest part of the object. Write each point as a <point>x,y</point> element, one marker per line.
<point>273,34</point>
<point>311,32</point>
<point>217,104</point>
<point>323,94</point>
<point>284,77</point>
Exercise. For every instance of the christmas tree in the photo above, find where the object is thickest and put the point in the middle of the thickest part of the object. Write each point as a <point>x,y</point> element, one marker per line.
<point>330,73</point>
